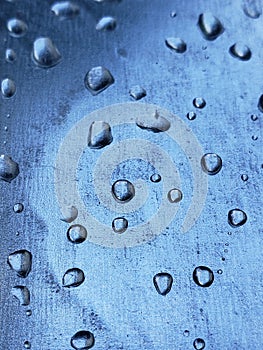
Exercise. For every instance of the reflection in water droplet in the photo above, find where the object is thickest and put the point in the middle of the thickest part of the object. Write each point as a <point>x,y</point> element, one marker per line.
<point>65,9</point>
<point>21,262</point>
<point>77,234</point>
<point>73,278</point>
<point>106,23</point>
<point>28,313</point>
<point>211,163</point>
<point>137,92</point>
<point>45,53</point>
<point>237,217</point>
<point>99,135</point>
<point>155,123</point>
<point>82,340</point>
<point>252,8</point>
<point>16,27</point>
<point>8,168</point>
<point>8,87</point>
<point>155,178</point>
<point>244,177</point>
<point>27,345</point>
<point>70,214</point>
<point>199,102</point>
<point>210,26</point>
<point>175,195</point>
<point>18,208</point>
<point>240,51</point>
<point>163,282</point>
<point>186,333</point>
<point>260,103</point>
<point>220,271</point>
<point>10,55</point>
<point>191,115</point>
<point>176,44</point>
<point>123,191</point>
<point>119,225</point>
<point>22,294</point>
<point>254,137</point>
<point>98,79</point>
<point>199,344</point>
<point>203,276</point>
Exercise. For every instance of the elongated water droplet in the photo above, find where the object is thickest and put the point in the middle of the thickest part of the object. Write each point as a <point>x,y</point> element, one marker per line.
<point>123,191</point>
<point>82,340</point>
<point>155,178</point>
<point>77,234</point>
<point>199,102</point>
<point>106,23</point>
<point>22,294</point>
<point>27,344</point>
<point>176,44</point>
<point>8,87</point>
<point>137,92</point>
<point>240,51</point>
<point>65,9</point>
<point>16,27</point>
<point>154,123</point>
<point>99,135</point>
<point>199,344</point>
<point>211,163</point>
<point>203,276</point>
<point>21,262</point>
<point>73,278</point>
<point>237,217</point>
<point>163,282</point>
<point>260,103</point>
<point>10,55</point>
<point>8,168</point>
<point>98,79</point>
<point>18,208</point>
<point>175,195</point>
<point>70,214</point>
<point>119,225</point>
<point>252,8</point>
<point>210,26</point>
<point>45,53</point>
<point>191,115</point>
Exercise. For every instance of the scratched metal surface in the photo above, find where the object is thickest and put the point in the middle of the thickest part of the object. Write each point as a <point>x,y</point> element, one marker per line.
<point>118,302</point>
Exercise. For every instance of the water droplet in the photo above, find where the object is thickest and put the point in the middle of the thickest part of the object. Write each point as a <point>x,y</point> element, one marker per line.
<point>106,23</point>
<point>82,340</point>
<point>10,55</point>
<point>220,271</point>
<point>155,178</point>
<point>254,117</point>
<point>99,135</point>
<point>123,191</point>
<point>16,27</point>
<point>65,9</point>
<point>21,262</point>
<point>254,137</point>
<point>73,278</point>
<point>210,26</point>
<point>211,163</point>
<point>22,294</point>
<point>27,345</point>
<point>176,44</point>
<point>260,103</point>
<point>163,282</point>
<point>18,208</point>
<point>154,123</point>
<point>237,217</point>
<point>173,14</point>
<point>252,8</point>
<point>28,313</point>
<point>199,102</point>
<point>77,234</point>
<point>8,168</point>
<point>240,51</point>
<point>137,92</point>
<point>98,79</point>
<point>199,344</point>
<point>8,87</point>
<point>17,233</point>
<point>45,53</point>
<point>191,115</point>
<point>203,276</point>
<point>244,177</point>
<point>70,214</point>
<point>119,225</point>
<point>186,333</point>
<point>175,195</point>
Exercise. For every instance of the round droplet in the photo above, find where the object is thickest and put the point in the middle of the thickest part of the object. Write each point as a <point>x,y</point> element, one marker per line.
<point>252,8</point>
<point>210,26</point>
<point>123,191</point>
<point>65,9</point>
<point>27,345</point>
<point>211,163</point>
<point>8,88</point>
<point>8,168</point>
<point>175,195</point>
<point>106,23</point>
<point>203,276</point>
<point>70,214</point>
<point>98,79</point>
<point>191,115</point>
<point>137,92</point>
<point>260,103</point>
<point>16,27</point>
<point>240,51</point>
<point>163,282</point>
<point>28,312</point>
<point>82,340</point>
<point>254,137</point>
<point>45,53</point>
<point>119,225</point>
<point>155,178</point>
<point>199,102</point>
<point>199,344</point>
<point>176,44</point>
<point>254,117</point>
<point>237,217</point>
<point>100,135</point>
<point>10,55</point>
<point>22,294</point>
<point>186,333</point>
<point>21,262</point>
<point>244,177</point>
<point>18,208</point>
<point>73,278</point>
<point>77,234</point>
<point>220,271</point>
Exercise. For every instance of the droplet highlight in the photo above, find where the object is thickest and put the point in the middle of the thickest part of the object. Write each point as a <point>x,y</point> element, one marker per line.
<point>237,217</point>
<point>22,294</point>
<point>240,51</point>
<point>155,123</point>
<point>137,92</point>
<point>21,262</point>
<point>8,88</point>
<point>73,278</point>
<point>16,27</point>
<point>210,26</point>
<point>119,225</point>
<point>77,234</point>
<point>45,53</point>
<point>9,169</point>
<point>82,340</point>
<point>211,163</point>
<point>163,282</point>
<point>99,135</point>
<point>65,9</point>
<point>106,23</point>
<point>176,44</point>
<point>203,276</point>
<point>98,79</point>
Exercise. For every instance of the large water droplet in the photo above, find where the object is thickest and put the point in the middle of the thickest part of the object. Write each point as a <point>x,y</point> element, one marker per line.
<point>65,9</point>
<point>199,344</point>
<point>137,92</point>
<point>8,168</point>
<point>99,135</point>
<point>203,276</point>
<point>123,191</point>
<point>154,123</point>
<point>18,208</point>
<point>45,53</point>
<point>8,87</point>
<point>73,278</point>
<point>175,195</point>
<point>77,234</point>
<point>27,344</point>
<point>176,44</point>
<point>211,163</point>
<point>199,102</point>
<point>10,55</point>
<point>260,103</point>
<point>210,26</point>
<point>70,214</point>
<point>82,340</point>
<point>22,294</point>
<point>237,217</point>
<point>106,23</point>
<point>119,225</point>
<point>252,8</point>
<point>240,51</point>
<point>163,282</point>
<point>21,262</point>
<point>16,27</point>
<point>98,79</point>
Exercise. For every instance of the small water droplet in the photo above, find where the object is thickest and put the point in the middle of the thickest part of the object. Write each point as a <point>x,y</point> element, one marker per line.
<point>260,103</point>
<point>155,178</point>
<point>154,123</point>
<point>21,262</point>
<point>123,191</point>
<point>8,88</point>
<point>186,333</point>
<point>176,44</point>
<point>119,225</point>
<point>254,137</point>
<point>191,115</point>
<point>137,92</point>
<point>6,128</point>
<point>173,14</point>
<point>18,208</point>
<point>28,312</point>
<point>73,278</point>
<point>65,9</point>
<point>16,27</point>
<point>210,26</point>
<point>203,276</point>
<point>22,294</point>
<point>70,214</point>
<point>254,117</point>
<point>10,55</point>
<point>237,217</point>
<point>82,340</point>
<point>98,79</point>
<point>99,135</point>
<point>240,51</point>
<point>17,233</point>
<point>252,8</point>
<point>199,102</point>
<point>163,282</point>
<point>220,271</point>
<point>199,344</point>
<point>211,163</point>
<point>244,177</point>
<point>27,345</point>
<point>106,23</point>
<point>77,234</point>
<point>45,53</point>
<point>8,168</point>
<point>175,195</point>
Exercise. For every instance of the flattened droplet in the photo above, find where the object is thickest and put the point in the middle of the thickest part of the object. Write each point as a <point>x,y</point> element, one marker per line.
<point>237,217</point>
<point>77,234</point>
<point>45,53</point>
<point>22,294</point>
<point>260,103</point>
<point>70,214</point>
<point>99,135</point>
<point>175,195</point>
<point>137,92</point>
<point>199,344</point>
<point>73,278</point>
<point>123,191</point>
<point>9,169</point>
<point>119,225</point>
<point>176,44</point>
<point>10,55</point>
<point>8,88</point>
<point>210,26</point>
<point>211,163</point>
<point>240,51</point>
<point>155,123</point>
<point>106,23</point>
<point>203,276</point>
<point>98,79</point>
<point>252,8</point>
<point>16,27</point>
<point>65,9</point>
<point>82,340</point>
<point>21,262</point>
<point>163,282</point>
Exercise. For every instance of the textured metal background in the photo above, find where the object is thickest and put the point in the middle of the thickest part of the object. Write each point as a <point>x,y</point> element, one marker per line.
<point>118,301</point>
